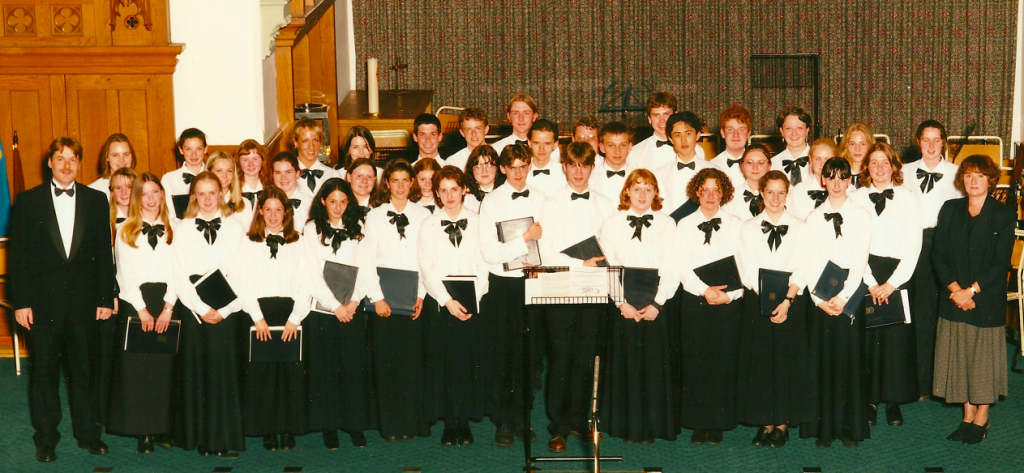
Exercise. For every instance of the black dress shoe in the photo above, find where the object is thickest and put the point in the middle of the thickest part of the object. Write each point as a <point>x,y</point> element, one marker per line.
<point>556,444</point>
<point>331,439</point>
<point>893,415</point>
<point>270,443</point>
<point>849,443</point>
<point>164,441</point>
<point>45,454</point>
<point>287,441</point>
<point>872,414</point>
<point>958,434</point>
<point>761,439</point>
<point>406,438</point>
<point>715,437</point>
<point>95,448</point>
<point>778,438</point>
<point>699,437</point>
<point>504,436</point>
<point>520,436</point>
<point>823,443</point>
<point>449,437</point>
<point>358,439</point>
<point>975,433</point>
<point>203,452</point>
<point>145,445</point>
<point>464,436</point>
<point>389,438</point>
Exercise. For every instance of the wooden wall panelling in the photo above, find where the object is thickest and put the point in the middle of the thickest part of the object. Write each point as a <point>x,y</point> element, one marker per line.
<point>137,22</point>
<point>49,23</point>
<point>25,107</point>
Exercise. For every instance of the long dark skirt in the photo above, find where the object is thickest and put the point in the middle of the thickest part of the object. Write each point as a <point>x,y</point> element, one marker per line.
<point>398,375</point>
<point>339,373</point>
<point>208,394</point>
<point>456,364</point>
<point>836,352</point>
<point>924,305</point>
<point>636,398</point>
<point>776,383</point>
<point>140,397</point>
<point>575,333</point>
<point>505,322</point>
<point>890,371</point>
<point>102,365</point>
<point>710,338</point>
<point>275,395</point>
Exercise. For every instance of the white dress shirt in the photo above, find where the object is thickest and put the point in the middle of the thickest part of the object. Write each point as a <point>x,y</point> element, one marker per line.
<point>440,258</point>
<point>499,206</point>
<point>672,181</point>
<point>648,155</point>
<point>301,212</point>
<point>694,252</point>
<point>459,159</point>
<point>779,163</point>
<point>349,253</point>
<point>942,189</point>
<point>103,185</point>
<point>567,222</point>
<point>549,182</point>
<point>740,205</point>
<point>144,264</point>
<point>194,256</point>
<point>609,186</point>
<point>387,249</point>
<point>897,231</point>
<point>174,184</point>
<point>556,155</point>
<point>848,250</point>
<point>731,169</point>
<point>800,201</point>
<point>64,206</point>
<point>281,276</point>
<point>655,249</point>
<point>756,254</point>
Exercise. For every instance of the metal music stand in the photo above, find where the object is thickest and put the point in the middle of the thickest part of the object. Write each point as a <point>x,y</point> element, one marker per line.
<point>619,97</point>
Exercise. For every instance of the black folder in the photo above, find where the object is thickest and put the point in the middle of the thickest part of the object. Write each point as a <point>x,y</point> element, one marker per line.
<point>880,315</point>
<point>400,288</point>
<point>153,296</point>
<point>213,289</point>
<point>463,289</point>
<point>684,210</point>
<point>510,230</point>
<point>721,273</point>
<point>773,286</point>
<point>585,250</point>
<point>180,203</point>
<point>341,279</point>
<point>275,350</point>
<point>138,341</point>
<point>640,286</point>
<point>856,300</point>
<point>831,281</point>
<point>882,267</point>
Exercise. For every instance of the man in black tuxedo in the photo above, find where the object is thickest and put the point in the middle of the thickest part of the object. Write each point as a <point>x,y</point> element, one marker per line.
<point>61,282</point>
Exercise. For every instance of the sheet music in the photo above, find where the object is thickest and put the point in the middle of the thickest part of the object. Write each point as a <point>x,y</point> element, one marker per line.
<point>589,282</point>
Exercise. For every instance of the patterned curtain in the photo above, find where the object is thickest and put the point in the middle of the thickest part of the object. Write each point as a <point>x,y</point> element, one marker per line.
<point>891,64</point>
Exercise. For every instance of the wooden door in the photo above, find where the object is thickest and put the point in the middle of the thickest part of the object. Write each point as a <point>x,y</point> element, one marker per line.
<point>33,106</point>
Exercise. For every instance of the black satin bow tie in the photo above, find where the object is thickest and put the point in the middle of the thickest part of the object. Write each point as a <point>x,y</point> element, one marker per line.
<point>837,222</point>
<point>274,241</point>
<point>154,232</point>
<point>523,142</point>
<point>928,179</point>
<point>70,191</point>
<point>430,207</point>
<point>680,165</point>
<point>661,143</point>
<point>400,221</point>
<point>775,234</point>
<point>585,195</point>
<point>252,197</point>
<point>710,227</point>
<point>754,201</point>
<point>731,162</point>
<point>187,177</point>
<point>879,198</point>
<point>818,197</point>
<point>480,194</point>
<point>119,220</point>
<point>295,203</point>
<point>516,195</point>
<point>311,175</point>
<point>336,235</point>
<point>541,171</point>
<point>209,229</point>
<point>621,172</point>
<point>454,230</point>
<point>638,223</point>
<point>856,181</point>
<point>792,167</point>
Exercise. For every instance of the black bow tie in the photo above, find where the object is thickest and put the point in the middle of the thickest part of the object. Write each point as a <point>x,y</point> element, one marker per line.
<point>187,177</point>
<point>273,241</point>
<point>480,194</point>
<point>585,195</point>
<point>311,175</point>
<point>336,235</point>
<point>710,227</point>
<point>837,222</point>
<point>755,202</point>
<point>541,171</point>
<point>119,220</point>
<point>295,203</point>
<point>661,143</point>
<point>731,162</point>
<point>430,207</point>
<point>516,195</point>
<point>639,223</point>
<point>928,179</point>
<point>251,197</point>
<point>57,191</point>
<point>154,232</point>
<point>454,230</point>
<point>878,198</point>
<point>400,221</point>
<point>856,181</point>
<point>792,167</point>
<point>621,172</point>
<point>209,229</point>
<point>692,165</point>
<point>522,142</point>
<point>776,232</point>
<point>818,197</point>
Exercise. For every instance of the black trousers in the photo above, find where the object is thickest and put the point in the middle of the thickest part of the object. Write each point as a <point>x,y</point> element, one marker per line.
<point>574,333</point>
<point>504,309</point>
<point>48,344</point>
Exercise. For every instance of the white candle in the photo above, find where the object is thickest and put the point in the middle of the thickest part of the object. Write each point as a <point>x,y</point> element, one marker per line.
<point>373,101</point>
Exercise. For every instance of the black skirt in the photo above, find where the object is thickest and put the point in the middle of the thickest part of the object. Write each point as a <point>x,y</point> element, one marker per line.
<point>275,394</point>
<point>140,397</point>
<point>710,339</point>
<point>339,373</point>
<point>890,371</point>
<point>836,353</point>
<point>924,307</point>
<point>456,364</point>
<point>398,375</point>
<point>776,383</point>
<point>208,394</point>
<point>636,397</point>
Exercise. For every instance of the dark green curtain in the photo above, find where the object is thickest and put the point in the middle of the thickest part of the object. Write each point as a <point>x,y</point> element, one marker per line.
<point>890,64</point>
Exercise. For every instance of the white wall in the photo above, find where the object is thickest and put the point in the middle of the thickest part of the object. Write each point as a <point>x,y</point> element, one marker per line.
<point>218,84</point>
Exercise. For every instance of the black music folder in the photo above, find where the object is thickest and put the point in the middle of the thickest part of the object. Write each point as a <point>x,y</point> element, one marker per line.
<point>586,249</point>
<point>463,289</point>
<point>341,279</point>
<point>831,281</point>
<point>640,286</point>
<point>684,210</point>
<point>180,203</point>
<point>721,273</point>
<point>213,289</point>
<point>510,230</point>
<point>773,286</point>
<point>138,341</point>
<point>856,300</point>
<point>400,288</point>
<point>880,315</point>
<point>275,350</point>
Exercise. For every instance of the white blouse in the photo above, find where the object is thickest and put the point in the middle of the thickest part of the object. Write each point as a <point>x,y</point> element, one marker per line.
<point>694,252</point>
<point>655,249</point>
<point>144,264</point>
<point>897,232</point>
<point>567,222</point>
<point>349,253</point>
<point>281,276</point>
<point>303,182</point>
<point>848,250</point>
<point>440,258</point>
<point>301,211</point>
<point>387,249</point>
<point>194,256</point>
<point>174,184</point>
<point>779,162</point>
<point>499,206</point>
<point>800,201</point>
<point>942,187</point>
<point>731,169</point>
<point>739,205</point>
<point>103,185</point>
<point>756,254</point>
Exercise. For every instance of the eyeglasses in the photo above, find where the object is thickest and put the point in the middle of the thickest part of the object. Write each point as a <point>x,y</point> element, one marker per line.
<point>484,167</point>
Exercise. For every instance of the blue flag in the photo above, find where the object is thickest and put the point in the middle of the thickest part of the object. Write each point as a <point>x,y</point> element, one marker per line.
<point>5,193</point>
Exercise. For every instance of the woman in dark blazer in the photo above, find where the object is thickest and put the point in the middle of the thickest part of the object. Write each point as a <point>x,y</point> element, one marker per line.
<point>973,247</point>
